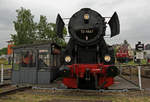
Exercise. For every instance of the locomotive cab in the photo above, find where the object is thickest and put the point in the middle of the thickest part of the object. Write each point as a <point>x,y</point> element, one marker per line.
<point>88,62</point>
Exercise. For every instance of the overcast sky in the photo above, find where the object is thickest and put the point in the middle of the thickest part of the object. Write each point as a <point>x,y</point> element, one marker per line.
<point>133,14</point>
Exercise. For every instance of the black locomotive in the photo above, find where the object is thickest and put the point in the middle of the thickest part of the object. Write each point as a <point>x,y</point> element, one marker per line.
<point>88,62</point>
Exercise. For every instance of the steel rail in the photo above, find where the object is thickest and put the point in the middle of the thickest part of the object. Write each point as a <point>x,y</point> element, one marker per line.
<point>85,90</point>
<point>12,91</point>
<point>4,85</point>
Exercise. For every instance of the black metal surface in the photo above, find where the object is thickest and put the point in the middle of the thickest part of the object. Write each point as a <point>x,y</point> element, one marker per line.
<point>93,30</point>
<point>59,26</point>
<point>4,85</point>
<point>87,37</point>
<point>114,25</point>
<point>112,71</point>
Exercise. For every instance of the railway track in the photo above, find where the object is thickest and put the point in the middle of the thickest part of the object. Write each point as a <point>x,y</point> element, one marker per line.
<point>7,89</point>
<point>63,90</point>
<point>143,76</point>
<point>4,85</point>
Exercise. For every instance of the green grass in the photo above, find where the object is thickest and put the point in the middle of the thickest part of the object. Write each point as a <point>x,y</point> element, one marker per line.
<point>114,97</point>
<point>132,63</point>
<point>5,63</point>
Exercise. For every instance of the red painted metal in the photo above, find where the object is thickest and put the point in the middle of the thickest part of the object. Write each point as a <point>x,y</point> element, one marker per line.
<point>109,81</point>
<point>70,82</point>
<point>122,55</point>
<point>80,69</point>
<point>148,60</point>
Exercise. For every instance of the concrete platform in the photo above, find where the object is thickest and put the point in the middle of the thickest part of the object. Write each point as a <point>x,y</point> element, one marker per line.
<point>121,83</point>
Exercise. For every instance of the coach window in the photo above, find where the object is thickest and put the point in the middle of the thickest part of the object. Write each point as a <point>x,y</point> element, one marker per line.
<point>16,61</point>
<point>44,58</point>
<point>28,58</point>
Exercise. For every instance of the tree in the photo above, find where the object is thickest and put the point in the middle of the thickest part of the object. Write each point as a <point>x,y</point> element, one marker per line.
<point>46,31</point>
<point>25,27</point>
<point>42,28</point>
<point>3,51</point>
<point>54,36</point>
<point>29,32</point>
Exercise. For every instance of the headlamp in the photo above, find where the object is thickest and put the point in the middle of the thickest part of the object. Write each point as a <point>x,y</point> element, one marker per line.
<point>86,16</point>
<point>67,59</point>
<point>107,58</point>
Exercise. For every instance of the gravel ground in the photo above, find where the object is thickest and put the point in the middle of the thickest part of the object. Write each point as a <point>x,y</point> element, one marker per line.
<point>76,96</point>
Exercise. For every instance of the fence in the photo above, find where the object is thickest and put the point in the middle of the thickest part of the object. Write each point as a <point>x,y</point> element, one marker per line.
<point>134,74</point>
<point>5,74</point>
<point>2,72</point>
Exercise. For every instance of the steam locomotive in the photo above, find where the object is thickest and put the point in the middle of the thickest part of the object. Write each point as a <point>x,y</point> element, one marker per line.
<point>88,62</point>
